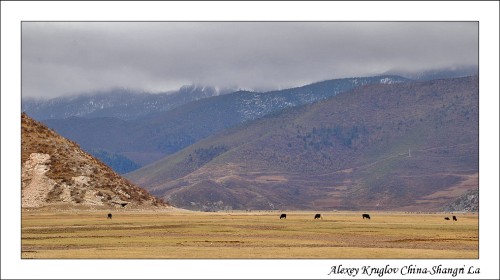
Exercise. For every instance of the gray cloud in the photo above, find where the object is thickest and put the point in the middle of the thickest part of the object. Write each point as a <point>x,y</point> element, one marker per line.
<point>61,58</point>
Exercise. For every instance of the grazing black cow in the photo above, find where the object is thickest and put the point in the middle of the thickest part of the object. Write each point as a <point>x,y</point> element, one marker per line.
<point>446,218</point>
<point>283,216</point>
<point>366,216</point>
<point>455,218</point>
<point>317,216</point>
<point>110,216</point>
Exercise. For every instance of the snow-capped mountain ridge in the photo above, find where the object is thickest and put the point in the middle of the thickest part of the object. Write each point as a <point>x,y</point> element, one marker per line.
<point>257,105</point>
<point>119,103</point>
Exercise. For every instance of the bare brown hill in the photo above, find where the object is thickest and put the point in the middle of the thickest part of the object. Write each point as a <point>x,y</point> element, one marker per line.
<point>57,173</point>
<point>410,146</point>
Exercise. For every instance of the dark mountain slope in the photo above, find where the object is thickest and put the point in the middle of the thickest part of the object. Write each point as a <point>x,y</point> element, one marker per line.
<point>147,139</point>
<point>403,146</point>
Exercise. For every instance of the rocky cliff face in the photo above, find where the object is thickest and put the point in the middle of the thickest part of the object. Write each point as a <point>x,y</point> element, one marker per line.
<point>56,172</point>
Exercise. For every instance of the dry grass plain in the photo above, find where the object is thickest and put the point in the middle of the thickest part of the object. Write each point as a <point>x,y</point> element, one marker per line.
<point>246,235</point>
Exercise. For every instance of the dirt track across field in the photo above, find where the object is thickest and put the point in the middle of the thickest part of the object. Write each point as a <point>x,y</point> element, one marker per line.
<point>247,235</point>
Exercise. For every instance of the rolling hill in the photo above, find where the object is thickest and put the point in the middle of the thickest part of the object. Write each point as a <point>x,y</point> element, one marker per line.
<point>56,173</point>
<point>406,146</point>
<point>144,140</point>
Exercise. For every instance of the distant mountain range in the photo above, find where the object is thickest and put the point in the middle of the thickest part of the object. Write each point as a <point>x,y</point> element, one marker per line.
<point>402,146</point>
<point>434,74</point>
<point>384,142</point>
<point>129,104</point>
<point>118,103</point>
<point>56,173</point>
<point>132,143</point>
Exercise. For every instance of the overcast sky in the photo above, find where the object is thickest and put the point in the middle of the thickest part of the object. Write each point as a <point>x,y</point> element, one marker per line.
<point>63,58</point>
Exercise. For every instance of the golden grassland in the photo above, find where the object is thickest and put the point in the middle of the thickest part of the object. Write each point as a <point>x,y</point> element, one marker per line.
<point>180,234</point>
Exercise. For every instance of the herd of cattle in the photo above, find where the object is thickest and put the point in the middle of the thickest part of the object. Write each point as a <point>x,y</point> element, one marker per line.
<point>318,216</point>
<point>364,216</point>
